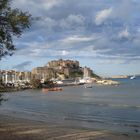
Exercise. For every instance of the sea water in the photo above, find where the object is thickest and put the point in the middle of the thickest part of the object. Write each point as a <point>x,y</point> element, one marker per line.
<point>115,108</point>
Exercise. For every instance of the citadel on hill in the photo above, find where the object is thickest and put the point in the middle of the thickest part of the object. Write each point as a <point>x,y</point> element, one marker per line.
<point>61,69</point>
<point>57,69</point>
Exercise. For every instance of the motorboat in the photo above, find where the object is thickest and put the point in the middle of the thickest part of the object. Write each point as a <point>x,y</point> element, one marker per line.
<point>88,86</point>
<point>52,89</point>
<point>133,77</point>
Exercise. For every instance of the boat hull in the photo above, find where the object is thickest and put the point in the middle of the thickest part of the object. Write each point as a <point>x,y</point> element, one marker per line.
<point>51,89</point>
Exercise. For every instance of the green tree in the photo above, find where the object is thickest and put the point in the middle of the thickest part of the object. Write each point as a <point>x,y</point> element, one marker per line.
<point>95,76</point>
<point>76,74</point>
<point>12,23</point>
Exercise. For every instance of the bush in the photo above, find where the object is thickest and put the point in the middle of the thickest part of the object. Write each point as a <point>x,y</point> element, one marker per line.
<point>49,83</point>
<point>36,83</point>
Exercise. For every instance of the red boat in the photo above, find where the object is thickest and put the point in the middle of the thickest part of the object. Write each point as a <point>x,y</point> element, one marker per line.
<point>52,89</point>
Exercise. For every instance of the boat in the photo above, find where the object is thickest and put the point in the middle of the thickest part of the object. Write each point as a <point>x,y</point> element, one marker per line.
<point>133,77</point>
<point>52,89</point>
<point>88,86</point>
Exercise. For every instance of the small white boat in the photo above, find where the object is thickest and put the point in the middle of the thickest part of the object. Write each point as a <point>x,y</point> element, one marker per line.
<point>88,86</point>
<point>133,77</point>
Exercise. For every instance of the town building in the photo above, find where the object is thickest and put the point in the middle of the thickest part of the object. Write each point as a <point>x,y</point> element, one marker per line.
<point>12,76</point>
<point>87,72</point>
<point>43,73</point>
<point>58,64</point>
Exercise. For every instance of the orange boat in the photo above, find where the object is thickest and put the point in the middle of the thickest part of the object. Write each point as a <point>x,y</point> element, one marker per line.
<point>51,89</point>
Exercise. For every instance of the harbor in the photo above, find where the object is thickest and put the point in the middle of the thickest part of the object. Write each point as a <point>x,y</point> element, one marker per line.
<point>100,108</point>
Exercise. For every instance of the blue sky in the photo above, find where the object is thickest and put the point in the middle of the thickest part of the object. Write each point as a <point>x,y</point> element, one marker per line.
<point>101,34</point>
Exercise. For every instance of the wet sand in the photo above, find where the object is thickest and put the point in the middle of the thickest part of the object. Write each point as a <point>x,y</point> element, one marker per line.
<point>21,129</point>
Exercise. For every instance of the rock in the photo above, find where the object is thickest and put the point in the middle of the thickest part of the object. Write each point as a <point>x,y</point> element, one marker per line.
<point>107,82</point>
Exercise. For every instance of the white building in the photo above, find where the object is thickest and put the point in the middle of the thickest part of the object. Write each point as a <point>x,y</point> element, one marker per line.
<point>87,72</point>
<point>11,76</point>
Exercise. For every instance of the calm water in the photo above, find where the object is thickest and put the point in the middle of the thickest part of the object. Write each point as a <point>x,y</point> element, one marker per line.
<point>115,108</point>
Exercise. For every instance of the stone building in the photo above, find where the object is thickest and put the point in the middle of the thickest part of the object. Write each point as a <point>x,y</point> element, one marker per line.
<point>56,69</point>
<point>63,63</point>
<point>8,76</point>
<point>87,72</point>
<point>43,73</point>
<point>65,67</point>
<point>12,76</point>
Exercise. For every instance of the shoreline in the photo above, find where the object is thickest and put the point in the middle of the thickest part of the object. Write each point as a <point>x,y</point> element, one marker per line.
<point>5,89</point>
<point>20,129</point>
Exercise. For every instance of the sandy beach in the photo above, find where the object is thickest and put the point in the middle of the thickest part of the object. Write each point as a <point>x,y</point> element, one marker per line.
<point>21,129</point>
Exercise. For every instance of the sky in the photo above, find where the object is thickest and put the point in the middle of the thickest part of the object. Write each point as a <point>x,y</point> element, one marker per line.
<point>101,34</point>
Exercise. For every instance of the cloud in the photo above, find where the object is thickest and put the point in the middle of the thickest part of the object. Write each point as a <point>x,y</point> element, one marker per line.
<point>64,52</point>
<point>126,10</point>
<point>79,39</point>
<point>36,7</point>
<point>22,65</point>
<point>124,34</point>
<point>102,16</point>
<point>48,4</point>
<point>72,21</point>
<point>33,49</point>
<point>112,61</point>
<point>66,29</point>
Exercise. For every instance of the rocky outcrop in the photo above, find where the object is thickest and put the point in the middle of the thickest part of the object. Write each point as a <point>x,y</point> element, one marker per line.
<point>107,82</point>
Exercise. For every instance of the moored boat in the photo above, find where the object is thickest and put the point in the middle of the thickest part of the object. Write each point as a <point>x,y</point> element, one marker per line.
<point>52,89</point>
<point>88,86</point>
<point>133,77</point>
